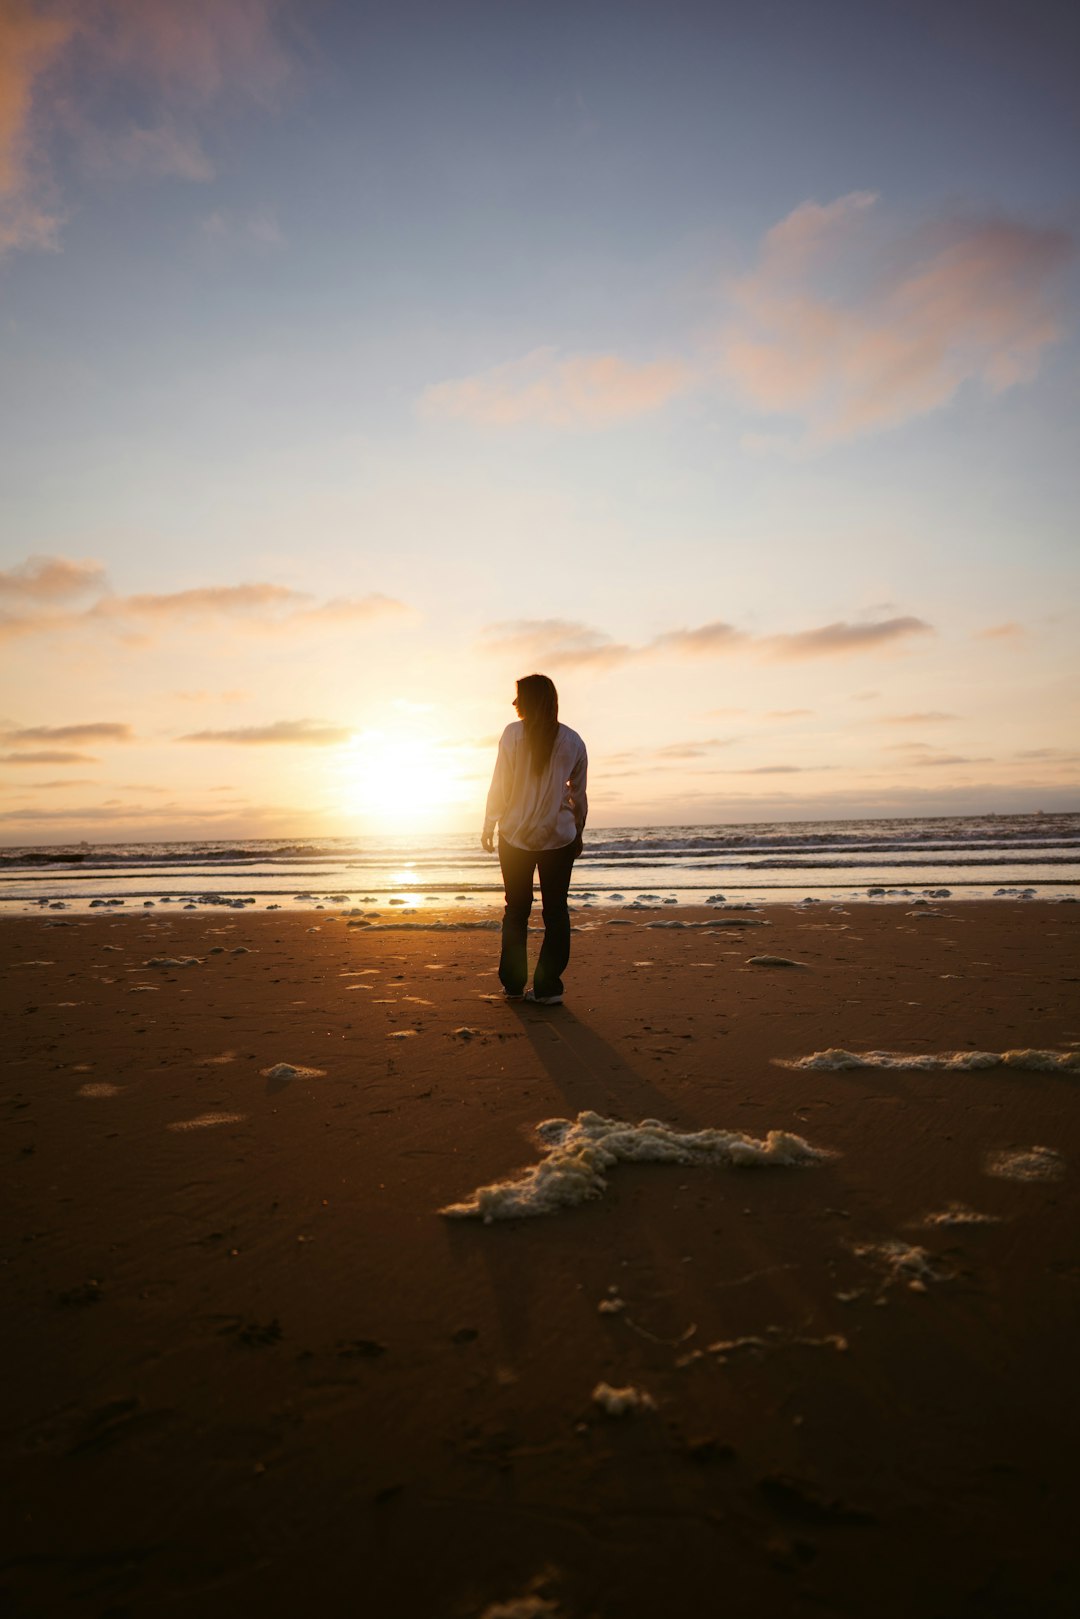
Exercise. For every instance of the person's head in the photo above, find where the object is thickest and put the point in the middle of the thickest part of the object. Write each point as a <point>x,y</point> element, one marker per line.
<point>537,703</point>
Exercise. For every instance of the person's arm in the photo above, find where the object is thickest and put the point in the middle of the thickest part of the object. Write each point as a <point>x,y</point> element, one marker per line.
<point>498,794</point>
<point>579,797</point>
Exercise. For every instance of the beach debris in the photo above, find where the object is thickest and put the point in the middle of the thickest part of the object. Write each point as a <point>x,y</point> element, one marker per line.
<point>1026,1164</point>
<point>532,1606</point>
<point>206,1121</point>
<point>837,1060</point>
<point>958,1214</point>
<point>621,1402</point>
<point>288,1070</point>
<point>613,1305</point>
<point>579,1151</point>
<point>900,1262</point>
<point>465,1033</point>
<point>400,1034</point>
<point>773,961</point>
<point>757,1344</point>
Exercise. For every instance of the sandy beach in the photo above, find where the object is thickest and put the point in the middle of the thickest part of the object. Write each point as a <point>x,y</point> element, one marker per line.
<point>251,1368</point>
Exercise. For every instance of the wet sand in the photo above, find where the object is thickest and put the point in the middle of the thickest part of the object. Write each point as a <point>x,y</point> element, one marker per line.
<point>249,1368</point>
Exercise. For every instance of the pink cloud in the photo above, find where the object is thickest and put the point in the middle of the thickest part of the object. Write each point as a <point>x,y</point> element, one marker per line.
<point>578,390</point>
<point>965,300</point>
<point>191,61</point>
<point>44,579</point>
<point>837,639</point>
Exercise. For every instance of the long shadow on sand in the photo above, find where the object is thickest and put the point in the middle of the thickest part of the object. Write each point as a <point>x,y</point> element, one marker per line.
<point>589,1072</point>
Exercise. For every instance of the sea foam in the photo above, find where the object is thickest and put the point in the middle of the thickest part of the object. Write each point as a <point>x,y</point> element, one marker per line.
<point>578,1153</point>
<point>836,1060</point>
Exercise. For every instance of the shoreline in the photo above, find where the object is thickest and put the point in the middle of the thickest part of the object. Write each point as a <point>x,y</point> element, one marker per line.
<point>250,1364</point>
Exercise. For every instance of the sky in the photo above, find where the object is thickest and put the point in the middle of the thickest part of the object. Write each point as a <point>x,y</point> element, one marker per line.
<point>718,360</point>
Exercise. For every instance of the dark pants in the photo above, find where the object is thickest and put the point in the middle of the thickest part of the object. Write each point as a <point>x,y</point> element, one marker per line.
<point>518,866</point>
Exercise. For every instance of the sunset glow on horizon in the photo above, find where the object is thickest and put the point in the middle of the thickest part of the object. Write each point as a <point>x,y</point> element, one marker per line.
<point>719,362</point>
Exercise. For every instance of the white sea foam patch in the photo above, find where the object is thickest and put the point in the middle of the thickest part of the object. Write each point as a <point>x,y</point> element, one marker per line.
<point>1028,1164</point>
<point>578,1153</point>
<point>621,1402</point>
<point>837,1060</point>
<point>206,1121</point>
<point>957,1214</point>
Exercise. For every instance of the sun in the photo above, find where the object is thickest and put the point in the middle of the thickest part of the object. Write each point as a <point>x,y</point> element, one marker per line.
<point>400,783</point>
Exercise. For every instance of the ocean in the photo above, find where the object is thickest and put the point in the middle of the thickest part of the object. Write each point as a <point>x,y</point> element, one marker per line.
<point>974,857</point>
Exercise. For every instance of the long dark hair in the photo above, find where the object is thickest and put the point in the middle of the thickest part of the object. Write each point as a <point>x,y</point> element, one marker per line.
<point>538,706</point>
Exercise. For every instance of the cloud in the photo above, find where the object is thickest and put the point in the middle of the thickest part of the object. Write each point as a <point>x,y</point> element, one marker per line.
<point>47,757</point>
<point>49,579</point>
<point>788,713</point>
<point>692,750</point>
<point>930,716</point>
<point>564,643</point>
<point>951,759</point>
<point>848,334</point>
<point>258,604</point>
<point>833,640</point>
<point>257,229</point>
<point>30,41</point>
<point>102,731</point>
<point>999,632</point>
<point>577,390</point>
<point>62,781</point>
<point>557,642</point>
<point>308,733</point>
<point>73,72</point>
<point>202,603</point>
<point>706,641</point>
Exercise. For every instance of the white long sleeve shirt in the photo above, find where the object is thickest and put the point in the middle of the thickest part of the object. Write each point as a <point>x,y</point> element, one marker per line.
<point>545,811</point>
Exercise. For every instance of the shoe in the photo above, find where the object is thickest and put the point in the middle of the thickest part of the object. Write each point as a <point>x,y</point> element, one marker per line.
<point>543,1000</point>
<point>520,996</point>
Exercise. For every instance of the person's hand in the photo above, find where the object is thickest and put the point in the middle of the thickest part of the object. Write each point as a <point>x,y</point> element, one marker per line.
<point>487,841</point>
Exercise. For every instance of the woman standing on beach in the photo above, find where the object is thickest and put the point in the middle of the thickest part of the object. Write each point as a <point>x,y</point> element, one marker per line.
<point>538,800</point>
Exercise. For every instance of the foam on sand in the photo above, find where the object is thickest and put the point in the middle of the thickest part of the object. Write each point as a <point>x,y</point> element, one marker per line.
<point>206,1121</point>
<point>288,1070</point>
<point>1030,1164</point>
<point>957,1214</point>
<point>621,1402</point>
<point>173,961</point>
<point>98,1088</point>
<point>836,1060</point>
<point>900,1262</point>
<point>773,961</point>
<point>579,1151</point>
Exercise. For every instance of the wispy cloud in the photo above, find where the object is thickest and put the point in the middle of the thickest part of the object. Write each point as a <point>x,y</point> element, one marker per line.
<point>562,643</point>
<point>187,65</point>
<point>708,640</point>
<point>838,639</point>
<point>259,605</point>
<point>1000,632</point>
<point>47,756</point>
<point>305,733</point>
<point>929,716</point>
<point>100,731</point>
<point>824,334</point>
<point>50,579</point>
<point>788,713</point>
<point>549,390</point>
